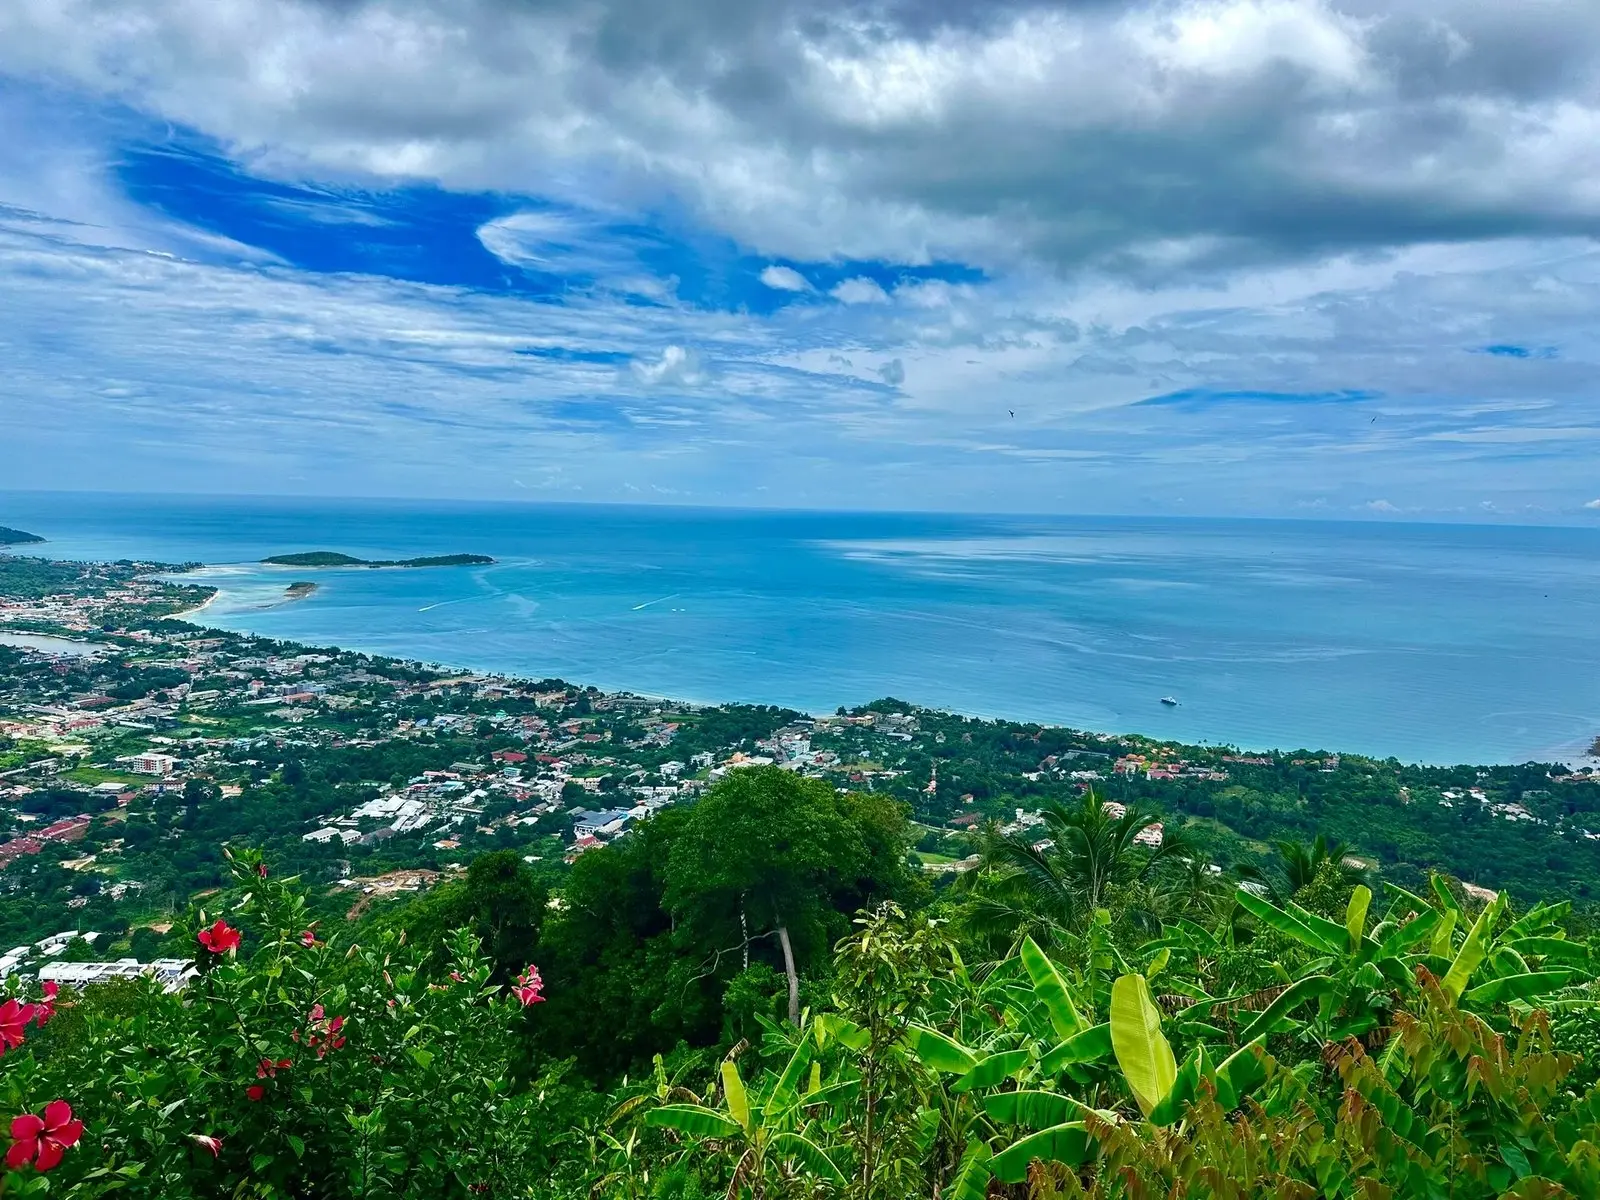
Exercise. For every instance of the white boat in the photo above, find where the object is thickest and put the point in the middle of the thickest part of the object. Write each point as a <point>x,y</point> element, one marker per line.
<point>1169,702</point>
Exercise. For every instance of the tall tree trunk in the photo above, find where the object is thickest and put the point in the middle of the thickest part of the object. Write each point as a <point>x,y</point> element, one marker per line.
<point>794,976</point>
<point>744,932</point>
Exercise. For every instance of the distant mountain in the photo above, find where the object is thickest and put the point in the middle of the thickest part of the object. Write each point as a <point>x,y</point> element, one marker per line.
<point>16,537</point>
<point>330,558</point>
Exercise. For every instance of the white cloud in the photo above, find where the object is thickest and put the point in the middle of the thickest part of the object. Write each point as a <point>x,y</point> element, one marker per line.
<point>1593,504</point>
<point>677,367</point>
<point>785,279</point>
<point>859,290</point>
<point>1382,506</point>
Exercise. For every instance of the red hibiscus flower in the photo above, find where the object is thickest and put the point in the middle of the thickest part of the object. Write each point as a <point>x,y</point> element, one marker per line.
<point>13,1017</point>
<point>269,1069</point>
<point>220,938</point>
<point>43,1140</point>
<point>213,1144</point>
<point>261,870</point>
<point>308,938</point>
<point>255,1091</point>
<point>46,1008</point>
<point>529,987</point>
<point>458,977</point>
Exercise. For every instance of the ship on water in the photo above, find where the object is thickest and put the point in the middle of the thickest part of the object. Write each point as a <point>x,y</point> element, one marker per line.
<point>1169,701</point>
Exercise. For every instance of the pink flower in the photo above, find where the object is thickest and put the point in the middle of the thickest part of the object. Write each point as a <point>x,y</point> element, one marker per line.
<point>43,1140</point>
<point>308,938</point>
<point>457,976</point>
<point>317,1012</point>
<point>261,870</point>
<point>213,1144</point>
<point>220,938</point>
<point>46,1008</point>
<point>13,1017</point>
<point>529,987</point>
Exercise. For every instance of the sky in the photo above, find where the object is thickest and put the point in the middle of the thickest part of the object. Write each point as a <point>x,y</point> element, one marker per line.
<point>1286,258</point>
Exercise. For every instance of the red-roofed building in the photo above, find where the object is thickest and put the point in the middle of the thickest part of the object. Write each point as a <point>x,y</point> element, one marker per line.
<point>510,756</point>
<point>70,830</point>
<point>17,847</point>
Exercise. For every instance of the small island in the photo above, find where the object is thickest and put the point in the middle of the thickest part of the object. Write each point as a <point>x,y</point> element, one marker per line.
<point>299,590</point>
<point>16,537</point>
<point>329,558</point>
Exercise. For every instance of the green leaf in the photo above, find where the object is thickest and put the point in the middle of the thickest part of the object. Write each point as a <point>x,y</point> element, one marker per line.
<point>733,1092</point>
<point>1184,1089</point>
<point>972,1179</point>
<point>992,1070</point>
<point>1313,987</point>
<point>1410,934</point>
<point>298,1145</point>
<point>693,1119</point>
<point>1273,917</point>
<point>1142,1051</point>
<point>938,1052</point>
<point>1035,1109</point>
<point>1159,963</point>
<point>1446,896</point>
<point>1051,989</point>
<point>1092,1045</point>
<point>1069,1144</point>
<point>846,1032</point>
<point>1553,948</point>
<point>1242,1072</point>
<point>808,1154</point>
<point>1439,947</point>
<point>1355,914</point>
<point>1472,950</point>
<point>1335,938</point>
<point>1519,987</point>
<point>784,1091</point>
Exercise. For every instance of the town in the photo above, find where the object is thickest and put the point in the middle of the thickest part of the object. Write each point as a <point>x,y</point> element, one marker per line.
<point>135,745</point>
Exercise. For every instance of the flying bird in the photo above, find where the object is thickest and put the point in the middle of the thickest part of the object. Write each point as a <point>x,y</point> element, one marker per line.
<point>1013,413</point>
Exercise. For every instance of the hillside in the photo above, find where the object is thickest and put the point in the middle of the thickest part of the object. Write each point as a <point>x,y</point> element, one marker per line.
<point>16,537</point>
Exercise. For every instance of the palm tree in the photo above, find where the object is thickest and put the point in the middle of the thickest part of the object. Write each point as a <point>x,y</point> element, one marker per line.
<point>1300,863</point>
<point>1048,881</point>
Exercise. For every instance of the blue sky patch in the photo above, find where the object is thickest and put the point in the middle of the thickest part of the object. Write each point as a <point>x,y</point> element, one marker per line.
<point>1200,399</point>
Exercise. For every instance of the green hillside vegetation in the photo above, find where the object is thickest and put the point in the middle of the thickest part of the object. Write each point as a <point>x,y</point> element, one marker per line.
<point>753,997</point>
<point>16,537</point>
<point>330,558</point>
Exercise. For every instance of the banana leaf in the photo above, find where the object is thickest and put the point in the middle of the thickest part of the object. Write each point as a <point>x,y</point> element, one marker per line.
<point>1273,917</point>
<point>1142,1051</point>
<point>972,1177</point>
<point>733,1092</point>
<point>1554,949</point>
<point>808,1154</point>
<point>693,1119</point>
<point>1518,987</point>
<point>993,1070</point>
<point>1312,987</point>
<point>938,1052</point>
<point>1034,1109</point>
<point>1242,1072</point>
<point>1355,915</point>
<point>1051,989</point>
<point>1069,1143</point>
<point>1410,934</point>
<point>1472,950</point>
<point>1091,1045</point>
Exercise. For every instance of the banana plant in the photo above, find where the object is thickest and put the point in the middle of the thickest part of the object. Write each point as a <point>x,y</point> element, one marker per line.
<point>762,1133</point>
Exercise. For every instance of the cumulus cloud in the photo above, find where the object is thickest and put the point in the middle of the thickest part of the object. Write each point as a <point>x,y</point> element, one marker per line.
<point>859,290</point>
<point>1381,506</point>
<point>1141,135</point>
<point>676,366</point>
<point>785,279</point>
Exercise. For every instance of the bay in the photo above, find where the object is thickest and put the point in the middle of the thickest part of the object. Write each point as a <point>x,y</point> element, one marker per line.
<point>1434,643</point>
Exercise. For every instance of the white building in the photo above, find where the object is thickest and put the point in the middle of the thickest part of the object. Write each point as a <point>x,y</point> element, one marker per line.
<point>151,763</point>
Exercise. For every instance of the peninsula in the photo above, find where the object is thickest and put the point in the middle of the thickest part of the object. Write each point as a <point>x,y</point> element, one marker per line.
<point>329,558</point>
<point>16,537</point>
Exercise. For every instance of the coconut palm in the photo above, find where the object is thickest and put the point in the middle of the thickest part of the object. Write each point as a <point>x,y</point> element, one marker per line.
<point>1049,880</point>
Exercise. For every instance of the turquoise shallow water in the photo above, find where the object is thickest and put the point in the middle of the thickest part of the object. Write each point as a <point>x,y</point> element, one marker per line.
<point>1434,643</point>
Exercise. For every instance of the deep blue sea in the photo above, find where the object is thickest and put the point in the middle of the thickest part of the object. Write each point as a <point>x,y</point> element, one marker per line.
<point>1436,643</point>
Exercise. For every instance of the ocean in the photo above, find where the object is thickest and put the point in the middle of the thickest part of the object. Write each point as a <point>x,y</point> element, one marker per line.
<point>1431,643</point>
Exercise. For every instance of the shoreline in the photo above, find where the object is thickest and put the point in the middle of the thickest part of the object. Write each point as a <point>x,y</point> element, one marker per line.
<point>1574,758</point>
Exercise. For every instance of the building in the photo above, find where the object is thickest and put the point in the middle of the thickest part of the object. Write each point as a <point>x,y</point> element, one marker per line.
<point>151,763</point>
<point>593,824</point>
<point>171,973</point>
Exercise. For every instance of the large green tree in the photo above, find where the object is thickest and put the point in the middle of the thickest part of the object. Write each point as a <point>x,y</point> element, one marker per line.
<point>767,852</point>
